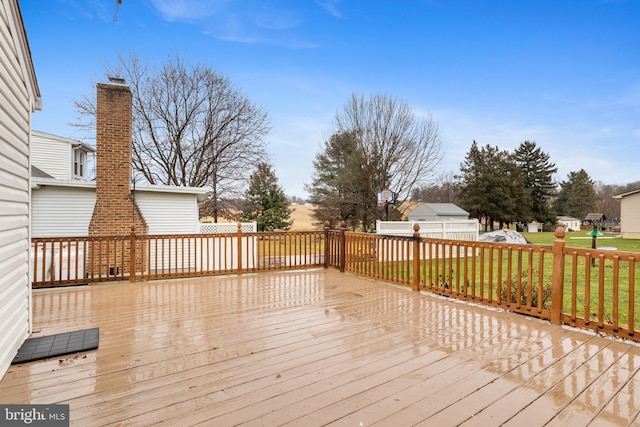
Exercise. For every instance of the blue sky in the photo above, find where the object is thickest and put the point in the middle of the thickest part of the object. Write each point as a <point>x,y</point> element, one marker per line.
<point>562,73</point>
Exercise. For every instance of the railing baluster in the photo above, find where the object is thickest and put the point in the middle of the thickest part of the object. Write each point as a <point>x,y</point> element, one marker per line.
<point>478,271</point>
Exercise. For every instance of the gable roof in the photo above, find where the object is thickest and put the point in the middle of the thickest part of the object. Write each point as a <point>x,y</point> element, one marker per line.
<point>620,196</point>
<point>567,218</point>
<point>439,209</point>
<point>199,192</point>
<point>595,216</point>
<point>44,136</point>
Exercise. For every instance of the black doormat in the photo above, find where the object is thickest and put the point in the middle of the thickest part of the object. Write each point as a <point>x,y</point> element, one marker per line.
<point>57,345</point>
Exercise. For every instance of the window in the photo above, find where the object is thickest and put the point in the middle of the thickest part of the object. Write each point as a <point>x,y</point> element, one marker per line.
<point>79,163</point>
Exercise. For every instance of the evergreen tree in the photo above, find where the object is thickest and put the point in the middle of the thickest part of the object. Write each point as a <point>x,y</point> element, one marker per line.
<point>265,201</point>
<point>338,189</point>
<point>471,182</point>
<point>577,195</point>
<point>537,171</point>
<point>491,186</point>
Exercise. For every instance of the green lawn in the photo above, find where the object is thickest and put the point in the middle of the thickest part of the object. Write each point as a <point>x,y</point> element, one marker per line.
<point>581,239</point>
<point>584,299</point>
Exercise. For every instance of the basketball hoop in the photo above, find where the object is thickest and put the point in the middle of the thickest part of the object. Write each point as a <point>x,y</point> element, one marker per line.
<point>387,196</point>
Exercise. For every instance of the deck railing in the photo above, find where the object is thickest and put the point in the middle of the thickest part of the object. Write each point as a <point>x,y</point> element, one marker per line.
<point>83,260</point>
<point>587,288</point>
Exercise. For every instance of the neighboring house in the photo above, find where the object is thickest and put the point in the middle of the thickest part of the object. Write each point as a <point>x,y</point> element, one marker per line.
<point>63,199</point>
<point>19,98</point>
<point>630,214</point>
<point>65,203</point>
<point>60,158</point>
<point>569,223</point>
<point>437,212</point>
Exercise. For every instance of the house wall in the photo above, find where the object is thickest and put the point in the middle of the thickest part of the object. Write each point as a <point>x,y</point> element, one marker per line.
<point>165,213</point>
<point>51,155</point>
<point>630,216</point>
<point>19,97</point>
<point>51,218</point>
<point>169,213</point>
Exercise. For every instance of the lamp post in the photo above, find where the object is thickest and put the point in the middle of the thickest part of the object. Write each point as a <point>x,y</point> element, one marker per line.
<point>594,242</point>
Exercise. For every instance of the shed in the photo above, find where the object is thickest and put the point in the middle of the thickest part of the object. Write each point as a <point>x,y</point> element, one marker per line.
<point>19,98</point>
<point>437,212</point>
<point>569,223</point>
<point>595,218</point>
<point>629,214</point>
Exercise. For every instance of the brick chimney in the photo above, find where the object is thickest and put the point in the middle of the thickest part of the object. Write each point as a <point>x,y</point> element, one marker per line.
<point>116,212</point>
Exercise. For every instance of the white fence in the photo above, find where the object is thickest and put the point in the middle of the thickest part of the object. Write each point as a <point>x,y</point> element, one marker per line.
<point>467,229</point>
<point>227,227</point>
<point>205,253</point>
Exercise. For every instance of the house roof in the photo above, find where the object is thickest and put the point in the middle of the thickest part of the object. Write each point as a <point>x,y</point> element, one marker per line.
<point>595,216</point>
<point>567,218</point>
<point>70,141</point>
<point>199,192</point>
<point>620,196</point>
<point>439,209</point>
<point>39,173</point>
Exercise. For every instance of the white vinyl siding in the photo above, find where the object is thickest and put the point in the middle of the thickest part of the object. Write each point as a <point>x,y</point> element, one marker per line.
<point>66,210</point>
<point>169,213</point>
<point>630,216</point>
<point>61,211</point>
<point>51,156</point>
<point>17,101</point>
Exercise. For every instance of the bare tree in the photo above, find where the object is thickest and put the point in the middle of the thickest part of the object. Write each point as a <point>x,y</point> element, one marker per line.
<point>191,127</point>
<point>398,149</point>
<point>441,190</point>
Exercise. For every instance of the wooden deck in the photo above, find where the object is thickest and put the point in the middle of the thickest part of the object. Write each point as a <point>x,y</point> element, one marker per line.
<point>318,347</point>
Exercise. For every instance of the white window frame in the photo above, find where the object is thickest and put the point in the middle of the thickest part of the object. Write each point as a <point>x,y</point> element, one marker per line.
<point>79,162</point>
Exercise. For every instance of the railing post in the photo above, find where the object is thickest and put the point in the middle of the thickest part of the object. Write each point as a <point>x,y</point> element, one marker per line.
<point>416,257</point>
<point>342,250</point>
<point>132,255</point>
<point>239,248</point>
<point>326,245</point>
<point>557,281</point>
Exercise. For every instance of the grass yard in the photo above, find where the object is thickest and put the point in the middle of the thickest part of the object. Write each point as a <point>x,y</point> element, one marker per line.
<point>596,288</point>
<point>580,239</point>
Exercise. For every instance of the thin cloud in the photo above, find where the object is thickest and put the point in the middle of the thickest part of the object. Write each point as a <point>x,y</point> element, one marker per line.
<point>251,21</point>
<point>188,10</point>
<point>92,10</point>
<point>275,18</point>
<point>331,6</point>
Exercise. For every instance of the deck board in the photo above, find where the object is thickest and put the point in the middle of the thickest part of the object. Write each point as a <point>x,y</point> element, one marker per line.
<point>317,347</point>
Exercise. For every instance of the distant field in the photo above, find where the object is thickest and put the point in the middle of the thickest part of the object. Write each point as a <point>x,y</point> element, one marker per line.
<point>302,218</point>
